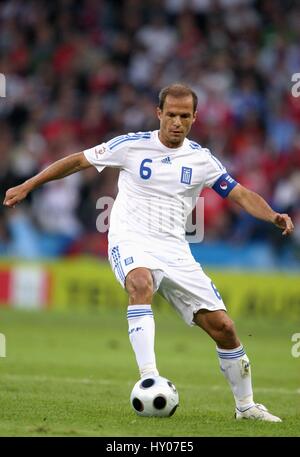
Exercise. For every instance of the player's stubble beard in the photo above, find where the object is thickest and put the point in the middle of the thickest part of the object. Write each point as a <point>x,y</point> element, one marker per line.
<point>177,140</point>
<point>172,141</point>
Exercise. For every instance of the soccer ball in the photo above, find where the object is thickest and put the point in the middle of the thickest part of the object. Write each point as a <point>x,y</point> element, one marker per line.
<point>154,396</point>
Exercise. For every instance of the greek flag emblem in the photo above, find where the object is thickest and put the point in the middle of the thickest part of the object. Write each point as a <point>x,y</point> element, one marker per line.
<point>186,175</point>
<point>129,260</point>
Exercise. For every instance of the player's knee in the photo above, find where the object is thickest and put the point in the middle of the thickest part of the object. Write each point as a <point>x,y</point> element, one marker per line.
<point>228,330</point>
<point>139,283</point>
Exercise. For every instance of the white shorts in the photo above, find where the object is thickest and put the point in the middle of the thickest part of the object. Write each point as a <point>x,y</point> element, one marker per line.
<point>178,278</point>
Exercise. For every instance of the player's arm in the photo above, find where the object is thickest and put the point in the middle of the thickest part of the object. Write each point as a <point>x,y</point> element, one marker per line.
<point>57,170</point>
<point>255,205</point>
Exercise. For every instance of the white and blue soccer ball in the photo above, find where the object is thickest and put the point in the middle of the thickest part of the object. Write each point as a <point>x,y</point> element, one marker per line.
<point>154,396</point>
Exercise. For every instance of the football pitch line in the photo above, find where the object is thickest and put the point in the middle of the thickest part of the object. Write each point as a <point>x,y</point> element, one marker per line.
<point>107,382</point>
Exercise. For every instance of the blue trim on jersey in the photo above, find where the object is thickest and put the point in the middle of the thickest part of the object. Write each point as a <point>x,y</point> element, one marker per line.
<point>194,145</point>
<point>130,135</point>
<point>123,141</point>
<point>117,138</point>
<point>123,138</point>
<point>224,185</point>
<point>127,135</point>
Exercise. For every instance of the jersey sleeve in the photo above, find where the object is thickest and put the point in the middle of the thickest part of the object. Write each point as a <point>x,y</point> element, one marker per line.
<point>217,177</point>
<point>110,154</point>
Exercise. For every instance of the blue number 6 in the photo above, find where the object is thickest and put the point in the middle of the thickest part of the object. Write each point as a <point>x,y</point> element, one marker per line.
<point>145,172</point>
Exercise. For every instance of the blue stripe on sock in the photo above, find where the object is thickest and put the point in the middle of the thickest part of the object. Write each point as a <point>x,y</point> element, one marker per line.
<point>236,356</point>
<point>142,308</point>
<point>139,311</point>
<point>224,351</point>
<point>139,314</point>
<point>231,355</point>
<point>223,354</point>
<point>131,316</point>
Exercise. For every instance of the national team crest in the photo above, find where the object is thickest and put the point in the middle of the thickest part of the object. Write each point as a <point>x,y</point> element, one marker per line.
<point>186,175</point>
<point>129,260</point>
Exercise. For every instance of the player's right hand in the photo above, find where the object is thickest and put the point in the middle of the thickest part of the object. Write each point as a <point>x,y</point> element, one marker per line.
<point>284,222</point>
<point>14,195</point>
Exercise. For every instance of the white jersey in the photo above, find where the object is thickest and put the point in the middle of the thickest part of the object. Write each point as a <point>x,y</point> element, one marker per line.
<point>158,186</point>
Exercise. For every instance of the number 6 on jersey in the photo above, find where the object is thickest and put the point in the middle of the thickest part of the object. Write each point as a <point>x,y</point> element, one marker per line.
<point>145,172</point>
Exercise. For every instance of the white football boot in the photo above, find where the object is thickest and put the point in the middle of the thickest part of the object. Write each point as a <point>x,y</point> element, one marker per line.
<point>256,412</point>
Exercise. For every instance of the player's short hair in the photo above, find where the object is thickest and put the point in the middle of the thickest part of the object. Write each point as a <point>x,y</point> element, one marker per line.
<point>177,90</point>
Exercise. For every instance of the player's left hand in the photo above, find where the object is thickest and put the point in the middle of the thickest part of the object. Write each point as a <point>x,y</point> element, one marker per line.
<point>284,222</point>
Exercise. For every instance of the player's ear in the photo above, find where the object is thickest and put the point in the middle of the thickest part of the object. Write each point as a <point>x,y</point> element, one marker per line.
<point>195,116</point>
<point>158,112</point>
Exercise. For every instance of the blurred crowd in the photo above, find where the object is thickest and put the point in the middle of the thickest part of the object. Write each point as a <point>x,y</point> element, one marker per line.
<point>79,72</point>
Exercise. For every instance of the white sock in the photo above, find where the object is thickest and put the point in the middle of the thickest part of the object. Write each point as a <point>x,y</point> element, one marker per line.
<point>235,365</point>
<point>141,329</point>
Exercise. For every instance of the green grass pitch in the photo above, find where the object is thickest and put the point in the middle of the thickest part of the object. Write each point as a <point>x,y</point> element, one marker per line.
<point>71,375</point>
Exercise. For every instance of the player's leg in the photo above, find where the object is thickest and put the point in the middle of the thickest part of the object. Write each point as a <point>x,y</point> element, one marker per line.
<point>141,326</point>
<point>198,301</point>
<point>234,363</point>
<point>140,274</point>
<point>193,295</point>
<point>219,326</point>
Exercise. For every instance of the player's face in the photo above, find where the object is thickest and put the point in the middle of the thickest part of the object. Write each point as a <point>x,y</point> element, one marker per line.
<point>176,119</point>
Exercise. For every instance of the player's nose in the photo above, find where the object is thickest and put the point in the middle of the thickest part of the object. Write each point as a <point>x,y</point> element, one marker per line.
<point>176,121</point>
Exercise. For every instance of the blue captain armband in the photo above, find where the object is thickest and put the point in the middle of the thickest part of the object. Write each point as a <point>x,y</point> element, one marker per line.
<point>224,185</point>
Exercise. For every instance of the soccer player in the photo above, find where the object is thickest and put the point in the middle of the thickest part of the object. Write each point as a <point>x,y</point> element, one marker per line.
<point>160,172</point>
